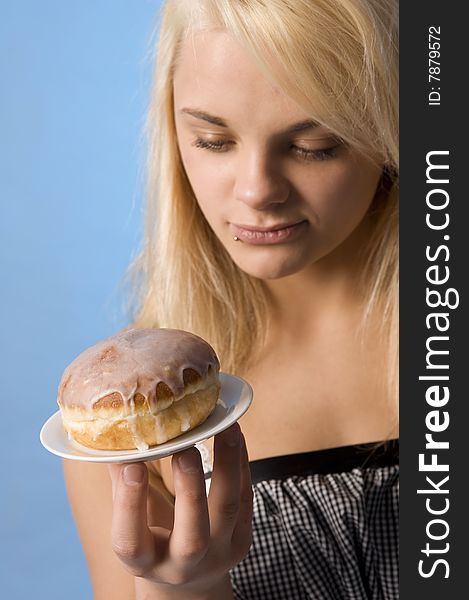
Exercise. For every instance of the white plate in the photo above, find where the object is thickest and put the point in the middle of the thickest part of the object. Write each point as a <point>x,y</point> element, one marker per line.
<point>235,398</point>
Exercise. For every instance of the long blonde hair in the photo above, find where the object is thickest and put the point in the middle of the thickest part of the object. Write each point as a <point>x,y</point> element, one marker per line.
<point>338,60</point>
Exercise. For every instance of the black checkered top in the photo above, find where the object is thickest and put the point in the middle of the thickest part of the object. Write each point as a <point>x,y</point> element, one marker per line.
<point>325,526</point>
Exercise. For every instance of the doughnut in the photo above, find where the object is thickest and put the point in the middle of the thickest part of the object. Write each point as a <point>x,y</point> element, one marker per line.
<point>139,388</point>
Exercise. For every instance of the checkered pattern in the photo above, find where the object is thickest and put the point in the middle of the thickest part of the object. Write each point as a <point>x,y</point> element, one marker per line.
<point>323,537</point>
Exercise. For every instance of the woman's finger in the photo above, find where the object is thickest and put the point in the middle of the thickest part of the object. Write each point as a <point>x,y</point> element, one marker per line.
<point>131,538</point>
<point>190,537</point>
<point>242,534</point>
<point>223,498</point>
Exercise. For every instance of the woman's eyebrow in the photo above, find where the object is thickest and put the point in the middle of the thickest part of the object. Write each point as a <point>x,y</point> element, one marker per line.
<point>204,116</point>
<point>199,114</point>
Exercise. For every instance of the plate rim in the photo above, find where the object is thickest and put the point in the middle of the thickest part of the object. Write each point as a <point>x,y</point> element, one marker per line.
<point>155,452</point>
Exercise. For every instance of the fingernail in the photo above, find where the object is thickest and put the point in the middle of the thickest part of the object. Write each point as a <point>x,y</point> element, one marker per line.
<point>133,475</point>
<point>232,436</point>
<point>189,462</point>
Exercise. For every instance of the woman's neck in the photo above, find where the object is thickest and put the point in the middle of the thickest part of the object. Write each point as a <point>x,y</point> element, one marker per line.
<point>328,289</point>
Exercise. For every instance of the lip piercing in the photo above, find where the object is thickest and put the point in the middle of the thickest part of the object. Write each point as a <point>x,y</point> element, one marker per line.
<point>236,238</point>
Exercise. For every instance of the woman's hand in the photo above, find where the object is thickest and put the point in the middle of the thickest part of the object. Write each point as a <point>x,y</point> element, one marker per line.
<point>208,536</point>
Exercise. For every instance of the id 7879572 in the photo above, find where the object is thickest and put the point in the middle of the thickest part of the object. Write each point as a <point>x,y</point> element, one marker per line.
<point>434,65</point>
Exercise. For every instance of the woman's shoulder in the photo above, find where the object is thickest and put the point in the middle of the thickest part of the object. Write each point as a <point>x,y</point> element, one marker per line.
<point>90,494</point>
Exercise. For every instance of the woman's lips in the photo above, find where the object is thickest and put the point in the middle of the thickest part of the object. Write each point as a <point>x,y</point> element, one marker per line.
<point>268,235</point>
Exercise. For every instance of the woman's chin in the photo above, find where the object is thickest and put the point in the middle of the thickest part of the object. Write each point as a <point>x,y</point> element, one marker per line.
<point>269,268</point>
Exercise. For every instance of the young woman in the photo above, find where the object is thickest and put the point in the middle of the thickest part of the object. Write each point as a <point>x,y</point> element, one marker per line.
<point>272,233</point>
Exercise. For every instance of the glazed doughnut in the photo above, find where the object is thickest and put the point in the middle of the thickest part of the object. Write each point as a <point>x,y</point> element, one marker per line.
<point>139,388</point>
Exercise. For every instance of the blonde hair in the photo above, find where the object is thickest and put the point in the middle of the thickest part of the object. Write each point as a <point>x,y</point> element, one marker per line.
<point>338,60</point>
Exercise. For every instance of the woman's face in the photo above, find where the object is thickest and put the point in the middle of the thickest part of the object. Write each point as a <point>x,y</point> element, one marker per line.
<point>279,191</point>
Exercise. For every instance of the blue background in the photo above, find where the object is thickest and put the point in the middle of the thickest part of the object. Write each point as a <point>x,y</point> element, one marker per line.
<point>74,79</point>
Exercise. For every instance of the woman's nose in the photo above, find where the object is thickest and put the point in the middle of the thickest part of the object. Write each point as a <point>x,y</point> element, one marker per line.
<point>259,182</point>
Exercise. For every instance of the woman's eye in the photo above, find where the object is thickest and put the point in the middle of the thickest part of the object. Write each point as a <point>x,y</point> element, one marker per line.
<point>214,145</point>
<point>319,154</point>
<point>306,154</point>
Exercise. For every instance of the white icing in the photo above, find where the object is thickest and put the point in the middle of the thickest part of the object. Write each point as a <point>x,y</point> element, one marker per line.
<point>160,433</point>
<point>136,361</point>
<point>184,417</point>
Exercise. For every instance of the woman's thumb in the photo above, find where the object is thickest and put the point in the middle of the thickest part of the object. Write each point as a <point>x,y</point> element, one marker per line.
<point>132,540</point>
